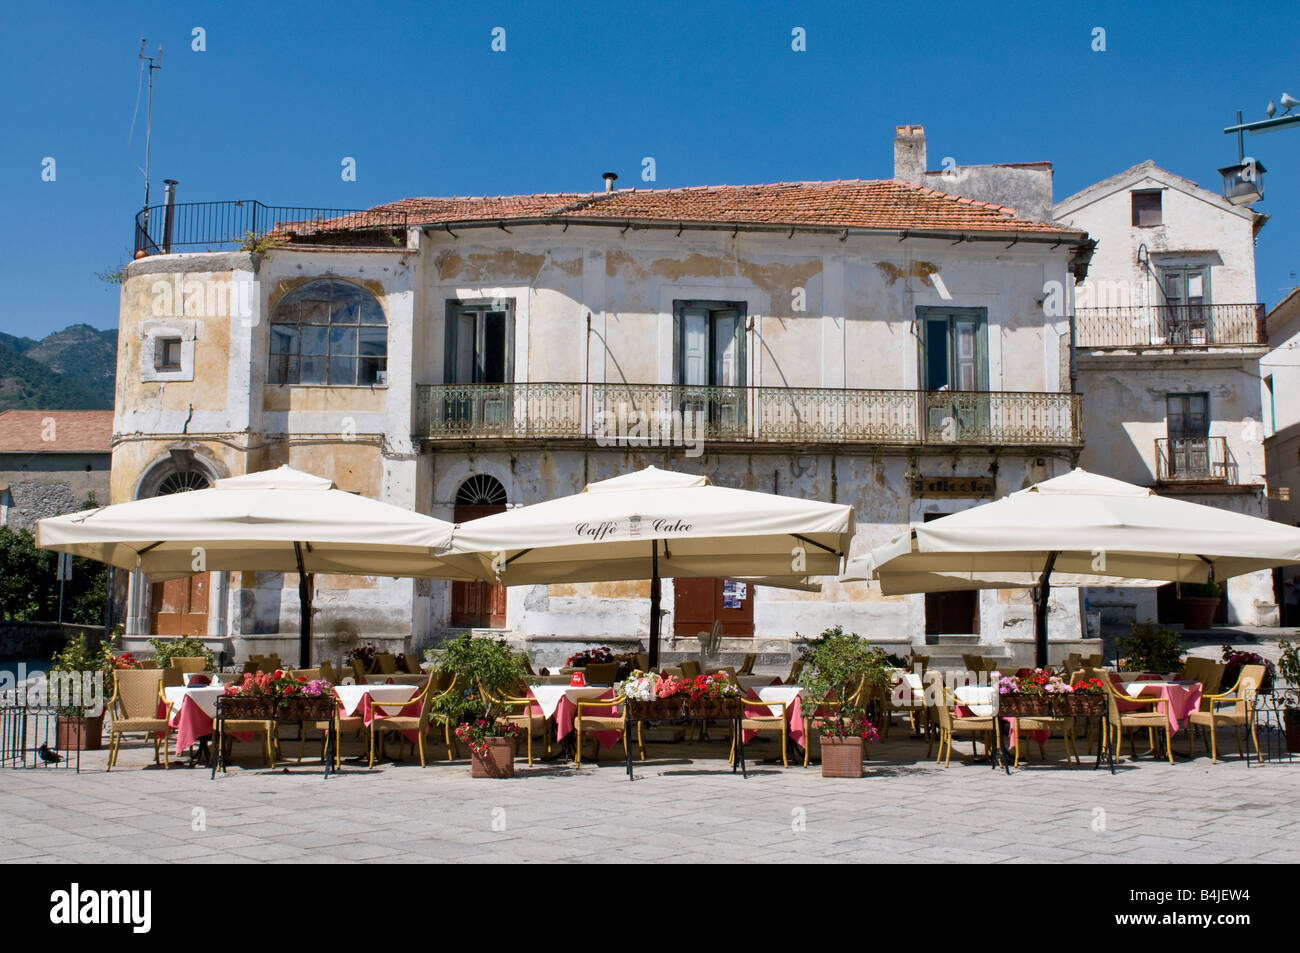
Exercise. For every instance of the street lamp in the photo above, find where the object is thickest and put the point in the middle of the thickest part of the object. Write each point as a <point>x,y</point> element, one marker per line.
<point>1243,183</point>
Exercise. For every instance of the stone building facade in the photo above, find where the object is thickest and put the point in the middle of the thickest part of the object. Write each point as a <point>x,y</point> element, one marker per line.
<point>52,462</point>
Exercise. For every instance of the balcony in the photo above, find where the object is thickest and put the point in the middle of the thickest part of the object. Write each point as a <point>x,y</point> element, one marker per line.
<point>660,414</point>
<point>1172,326</point>
<point>1186,460</point>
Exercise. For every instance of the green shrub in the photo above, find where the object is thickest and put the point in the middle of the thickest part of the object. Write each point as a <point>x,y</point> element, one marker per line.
<point>1151,648</point>
<point>837,661</point>
<point>477,661</point>
<point>184,646</point>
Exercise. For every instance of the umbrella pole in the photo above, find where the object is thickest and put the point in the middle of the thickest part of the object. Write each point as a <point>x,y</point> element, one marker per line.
<point>655,598</point>
<point>1040,612</point>
<point>305,586</point>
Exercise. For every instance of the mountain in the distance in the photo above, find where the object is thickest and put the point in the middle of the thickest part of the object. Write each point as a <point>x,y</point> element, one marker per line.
<point>72,369</point>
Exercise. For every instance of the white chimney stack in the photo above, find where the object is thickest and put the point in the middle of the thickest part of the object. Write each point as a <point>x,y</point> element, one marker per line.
<point>909,153</point>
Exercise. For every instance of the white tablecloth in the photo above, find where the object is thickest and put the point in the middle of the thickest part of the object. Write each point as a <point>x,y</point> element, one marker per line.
<point>399,678</point>
<point>548,696</point>
<point>978,698</point>
<point>779,693</point>
<point>205,696</point>
<point>350,695</point>
<point>1135,689</point>
<point>746,682</point>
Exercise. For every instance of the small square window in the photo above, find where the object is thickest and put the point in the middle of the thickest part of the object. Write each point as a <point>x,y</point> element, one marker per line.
<point>167,354</point>
<point>1146,209</point>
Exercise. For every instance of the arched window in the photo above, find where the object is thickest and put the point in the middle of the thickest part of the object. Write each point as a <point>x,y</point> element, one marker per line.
<point>481,490</point>
<point>329,332</point>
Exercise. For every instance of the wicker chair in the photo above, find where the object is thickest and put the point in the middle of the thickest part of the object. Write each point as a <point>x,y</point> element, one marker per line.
<point>429,695</point>
<point>601,673</point>
<point>1242,714</point>
<point>327,672</point>
<point>690,669</point>
<point>412,664</point>
<point>642,661</point>
<point>947,723</point>
<point>796,669</point>
<point>758,721</point>
<point>501,710</point>
<point>603,722</point>
<point>137,695</point>
<point>359,672</point>
<point>1211,681</point>
<point>311,674</point>
<point>385,663</point>
<point>172,677</point>
<point>190,665</point>
<point>1120,722</point>
<point>747,666</point>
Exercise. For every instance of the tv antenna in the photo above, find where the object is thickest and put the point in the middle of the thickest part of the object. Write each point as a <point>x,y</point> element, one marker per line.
<point>154,63</point>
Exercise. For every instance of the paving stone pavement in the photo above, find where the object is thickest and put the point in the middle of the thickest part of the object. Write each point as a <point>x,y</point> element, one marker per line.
<point>685,805</point>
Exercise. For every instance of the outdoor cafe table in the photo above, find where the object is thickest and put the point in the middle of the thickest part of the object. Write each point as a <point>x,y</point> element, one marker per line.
<point>192,712</point>
<point>771,695</point>
<point>678,708</point>
<point>749,682</point>
<point>1177,699</point>
<point>978,700</point>
<point>395,678</point>
<point>562,702</point>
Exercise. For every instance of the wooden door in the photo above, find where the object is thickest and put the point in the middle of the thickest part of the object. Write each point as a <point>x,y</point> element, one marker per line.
<point>697,603</point>
<point>477,605</point>
<point>951,613</point>
<point>180,606</point>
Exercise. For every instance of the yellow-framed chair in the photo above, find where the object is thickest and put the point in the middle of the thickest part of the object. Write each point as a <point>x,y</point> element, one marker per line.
<point>137,695</point>
<point>428,696</point>
<point>1242,714</point>
<point>525,718</point>
<point>604,722</point>
<point>1129,721</point>
<point>948,724</point>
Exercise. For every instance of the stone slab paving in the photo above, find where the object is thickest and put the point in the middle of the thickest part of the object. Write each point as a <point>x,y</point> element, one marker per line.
<point>685,806</point>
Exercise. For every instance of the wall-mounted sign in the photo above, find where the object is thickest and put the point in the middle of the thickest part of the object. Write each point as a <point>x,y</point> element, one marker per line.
<point>1281,493</point>
<point>955,486</point>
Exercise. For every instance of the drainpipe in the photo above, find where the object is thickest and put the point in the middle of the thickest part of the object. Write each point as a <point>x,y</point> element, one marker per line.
<point>169,218</point>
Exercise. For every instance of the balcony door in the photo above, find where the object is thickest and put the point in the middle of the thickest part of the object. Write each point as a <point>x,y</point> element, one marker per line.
<point>698,603</point>
<point>1187,423</point>
<point>954,358</point>
<point>709,339</point>
<point>1187,299</point>
<point>480,349</point>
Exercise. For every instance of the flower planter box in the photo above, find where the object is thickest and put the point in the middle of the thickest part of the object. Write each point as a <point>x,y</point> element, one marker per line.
<point>715,708</point>
<point>841,757</point>
<point>269,709</point>
<point>78,733</point>
<point>679,707</point>
<point>1023,706</point>
<point>1079,706</point>
<point>500,760</point>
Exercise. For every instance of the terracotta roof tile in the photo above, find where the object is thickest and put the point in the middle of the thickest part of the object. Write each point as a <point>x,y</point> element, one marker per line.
<point>74,431</point>
<point>881,204</point>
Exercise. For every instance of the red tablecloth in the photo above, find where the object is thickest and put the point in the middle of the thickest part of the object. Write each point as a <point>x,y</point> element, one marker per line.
<point>566,711</point>
<point>1038,737</point>
<point>1123,706</point>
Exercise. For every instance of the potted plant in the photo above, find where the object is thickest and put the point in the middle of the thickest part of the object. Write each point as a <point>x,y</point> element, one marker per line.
<point>1084,698</point>
<point>1198,602</point>
<point>1019,696</point>
<point>479,662</point>
<point>842,740</point>
<point>491,747</point>
<point>1151,648</point>
<point>1233,660</point>
<point>1288,667</point>
<point>841,674</point>
<point>79,716</point>
<point>365,654</point>
<point>184,646</point>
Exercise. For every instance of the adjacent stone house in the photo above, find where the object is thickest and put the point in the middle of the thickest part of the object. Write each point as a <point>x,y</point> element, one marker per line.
<point>1169,335</point>
<point>52,462</point>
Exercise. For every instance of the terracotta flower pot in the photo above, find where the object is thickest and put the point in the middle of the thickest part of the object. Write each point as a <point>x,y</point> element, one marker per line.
<point>1291,719</point>
<point>73,733</point>
<point>1198,611</point>
<point>500,760</point>
<point>841,757</point>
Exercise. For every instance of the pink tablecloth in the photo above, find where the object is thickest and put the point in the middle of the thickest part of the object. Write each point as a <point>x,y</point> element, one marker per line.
<point>370,711</point>
<point>1176,701</point>
<point>1038,737</point>
<point>566,711</point>
<point>193,723</point>
<point>1121,686</point>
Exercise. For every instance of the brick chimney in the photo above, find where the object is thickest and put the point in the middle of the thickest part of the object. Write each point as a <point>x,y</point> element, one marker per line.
<point>909,153</point>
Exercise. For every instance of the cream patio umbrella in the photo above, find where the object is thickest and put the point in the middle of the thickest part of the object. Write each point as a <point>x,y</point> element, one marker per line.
<point>1079,529</point>
<point>653,524</point>
<point>280,520</point>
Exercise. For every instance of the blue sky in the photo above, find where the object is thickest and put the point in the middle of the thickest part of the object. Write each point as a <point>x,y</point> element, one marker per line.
<point>713,92</point>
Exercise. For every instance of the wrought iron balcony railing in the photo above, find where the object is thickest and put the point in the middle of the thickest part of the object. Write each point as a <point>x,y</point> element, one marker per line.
<point>212,226</point>
<point>1184,325</point>
<point>1194,460</point>
<point>668,414</point>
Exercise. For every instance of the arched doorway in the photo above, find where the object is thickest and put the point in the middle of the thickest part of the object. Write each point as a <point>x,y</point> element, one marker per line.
<point>478,605</point>
<point>178,606</point>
